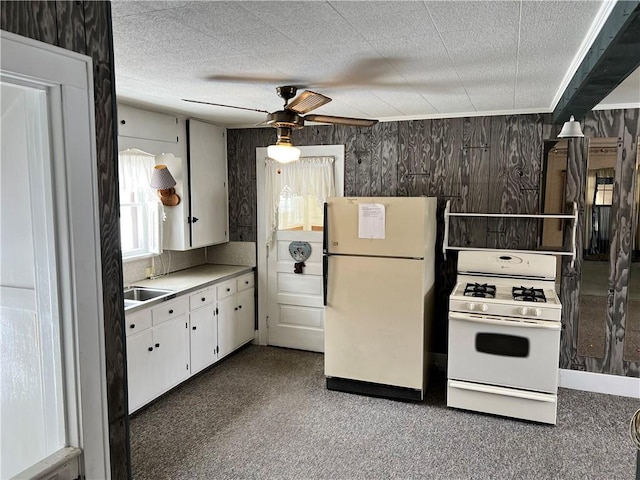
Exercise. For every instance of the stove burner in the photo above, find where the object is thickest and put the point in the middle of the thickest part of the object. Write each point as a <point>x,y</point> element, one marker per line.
<point>530,294</point>
<point>480,290</point>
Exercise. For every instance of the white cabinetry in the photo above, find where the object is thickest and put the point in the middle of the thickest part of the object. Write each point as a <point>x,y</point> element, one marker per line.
<point>196,155</point>
<point>202,216</point>
<point>203,324</point>
<point>172,340</point>
<point>236,313</point>
<point>157,351</point>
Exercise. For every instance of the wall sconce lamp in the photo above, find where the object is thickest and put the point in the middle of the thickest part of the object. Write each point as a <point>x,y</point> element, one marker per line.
<point>283,151</point>
<point>571,129</point>
<point>163,181</point>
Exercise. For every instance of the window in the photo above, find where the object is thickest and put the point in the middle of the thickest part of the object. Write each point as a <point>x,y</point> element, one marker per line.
<point>140,225</point>
<point>604,191</point>
<point>295,193</point>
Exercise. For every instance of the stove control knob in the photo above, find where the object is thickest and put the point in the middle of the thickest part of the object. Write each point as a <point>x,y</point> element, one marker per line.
<point>483,307</point>
<point>471,306</point>
<point>523,310</point>
<point>535,312</point>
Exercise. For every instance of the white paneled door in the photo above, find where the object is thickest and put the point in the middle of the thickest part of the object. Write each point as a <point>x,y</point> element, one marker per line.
<point>295,305</point>
<point>290,305</point>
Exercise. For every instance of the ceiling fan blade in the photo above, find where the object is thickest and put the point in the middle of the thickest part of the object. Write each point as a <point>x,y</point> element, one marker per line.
<point>227,106</point>
<point>356,122</point>
<point>307,101</point>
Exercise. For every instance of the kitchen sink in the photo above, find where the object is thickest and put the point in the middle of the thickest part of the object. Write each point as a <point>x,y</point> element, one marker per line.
<point>142,294</point>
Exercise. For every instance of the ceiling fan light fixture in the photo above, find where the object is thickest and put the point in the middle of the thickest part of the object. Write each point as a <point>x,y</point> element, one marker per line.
<point>283,152</point>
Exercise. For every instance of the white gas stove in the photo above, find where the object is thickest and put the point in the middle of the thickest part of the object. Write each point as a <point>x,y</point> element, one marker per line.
<point>504,335</point>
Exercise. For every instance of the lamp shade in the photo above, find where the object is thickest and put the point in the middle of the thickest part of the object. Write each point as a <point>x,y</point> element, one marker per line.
<point>571,129</point>
<point>161,178</point>
<point>283,153</point>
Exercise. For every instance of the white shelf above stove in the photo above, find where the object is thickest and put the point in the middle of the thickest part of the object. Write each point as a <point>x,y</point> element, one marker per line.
<point>568,253</point>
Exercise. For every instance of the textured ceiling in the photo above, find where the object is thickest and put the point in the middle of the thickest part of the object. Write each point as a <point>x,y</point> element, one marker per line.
<point>384,60</point>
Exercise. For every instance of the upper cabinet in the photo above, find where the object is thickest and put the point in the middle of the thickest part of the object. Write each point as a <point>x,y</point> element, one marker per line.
<point>195,153</point>
<point>207,160</point>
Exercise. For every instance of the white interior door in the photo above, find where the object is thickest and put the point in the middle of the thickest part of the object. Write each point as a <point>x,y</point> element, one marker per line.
<point>296,312</point>
<point>53,387</point>
<point>292,303</point>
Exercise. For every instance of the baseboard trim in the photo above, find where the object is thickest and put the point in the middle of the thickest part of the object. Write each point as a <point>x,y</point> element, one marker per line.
<point>599,383</point>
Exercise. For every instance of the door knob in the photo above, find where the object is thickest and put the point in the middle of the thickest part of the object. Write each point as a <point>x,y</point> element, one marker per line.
<point>193,328</point>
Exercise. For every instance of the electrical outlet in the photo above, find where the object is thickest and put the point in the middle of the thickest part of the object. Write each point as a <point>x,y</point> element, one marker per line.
<point>148,272</point>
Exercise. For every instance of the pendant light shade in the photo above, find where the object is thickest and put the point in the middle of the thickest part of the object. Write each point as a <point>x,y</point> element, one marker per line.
<point>571,129</point>
<point>283,151</point>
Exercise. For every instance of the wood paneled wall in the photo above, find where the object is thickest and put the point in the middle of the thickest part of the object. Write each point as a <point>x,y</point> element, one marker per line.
<point>481,164</point>
<point>85,27</point>
<point>625,126</point>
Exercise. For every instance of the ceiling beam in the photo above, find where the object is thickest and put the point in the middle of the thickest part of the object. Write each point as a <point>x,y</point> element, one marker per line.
<point>613,56</point>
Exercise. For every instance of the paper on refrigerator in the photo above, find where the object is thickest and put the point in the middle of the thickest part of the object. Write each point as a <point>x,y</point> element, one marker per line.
<point>371,220</point>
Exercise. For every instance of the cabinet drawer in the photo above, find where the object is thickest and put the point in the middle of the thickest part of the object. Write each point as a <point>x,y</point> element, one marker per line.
<point>202,298</point>
<point>226,288</point>
<point>168,310</point>
<point>245,281</point>
<point>138,321</point>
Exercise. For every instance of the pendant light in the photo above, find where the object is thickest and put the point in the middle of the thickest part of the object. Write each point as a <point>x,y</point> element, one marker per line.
<point>283,151</point>
<point>571,129</point>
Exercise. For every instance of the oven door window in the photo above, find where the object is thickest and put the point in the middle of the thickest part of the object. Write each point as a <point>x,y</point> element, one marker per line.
<point>503,345</point>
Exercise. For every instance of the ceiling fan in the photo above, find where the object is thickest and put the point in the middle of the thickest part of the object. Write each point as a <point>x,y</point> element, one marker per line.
<point>291,118</point>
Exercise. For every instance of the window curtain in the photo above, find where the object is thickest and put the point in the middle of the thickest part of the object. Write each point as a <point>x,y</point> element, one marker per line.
<point>309,176</point>
<point>134,176</point>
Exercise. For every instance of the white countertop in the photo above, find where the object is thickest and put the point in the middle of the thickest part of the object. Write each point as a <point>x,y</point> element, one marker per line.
<point>188,280</point>
<point>194,277</point>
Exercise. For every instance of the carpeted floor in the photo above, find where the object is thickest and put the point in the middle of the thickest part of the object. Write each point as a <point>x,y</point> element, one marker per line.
<point>265,413</point>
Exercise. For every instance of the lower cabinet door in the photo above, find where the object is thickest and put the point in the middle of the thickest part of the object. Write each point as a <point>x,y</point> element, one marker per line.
<point>203,332</point>
<point>140,369</point>
<point>171,353</point>
<point>244,326</point>
<point>227,309</point>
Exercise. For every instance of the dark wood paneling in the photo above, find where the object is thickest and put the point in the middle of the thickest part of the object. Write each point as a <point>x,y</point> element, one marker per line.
<point>70,25</point>
<point>500,171</point>
<point>34,19</point>
<point>570,284</point>
<point>477,132</point>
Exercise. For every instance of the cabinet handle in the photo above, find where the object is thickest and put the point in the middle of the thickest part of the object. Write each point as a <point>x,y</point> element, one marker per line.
<point>194,219</point>
<point>133,325</point>
<point>228,289</point>
<point>193,328</point>
<point>170,312</point>
<point>151,349</point>
<point>203,299</point>
<point>239,306</point>
<point>246,282</point>
<point>236,308</point>
<point>157,345</point>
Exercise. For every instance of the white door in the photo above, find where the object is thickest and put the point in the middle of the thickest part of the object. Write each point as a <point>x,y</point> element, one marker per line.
<point>53,387</point>
<point>296,311</point>
<point>291,303</point>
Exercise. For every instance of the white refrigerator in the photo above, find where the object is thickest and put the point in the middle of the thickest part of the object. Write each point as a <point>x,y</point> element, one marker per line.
<point>379,270</point>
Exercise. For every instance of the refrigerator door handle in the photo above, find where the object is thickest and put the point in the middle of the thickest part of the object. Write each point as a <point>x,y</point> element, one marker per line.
<point>325,273</point>
<point>325,231</point>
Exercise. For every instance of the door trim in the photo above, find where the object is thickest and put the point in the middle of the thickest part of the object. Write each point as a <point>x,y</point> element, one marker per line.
<point>336,151</point>
<point>68,78</point>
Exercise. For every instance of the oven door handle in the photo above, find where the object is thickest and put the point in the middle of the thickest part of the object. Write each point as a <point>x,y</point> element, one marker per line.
<point>547,325</point>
